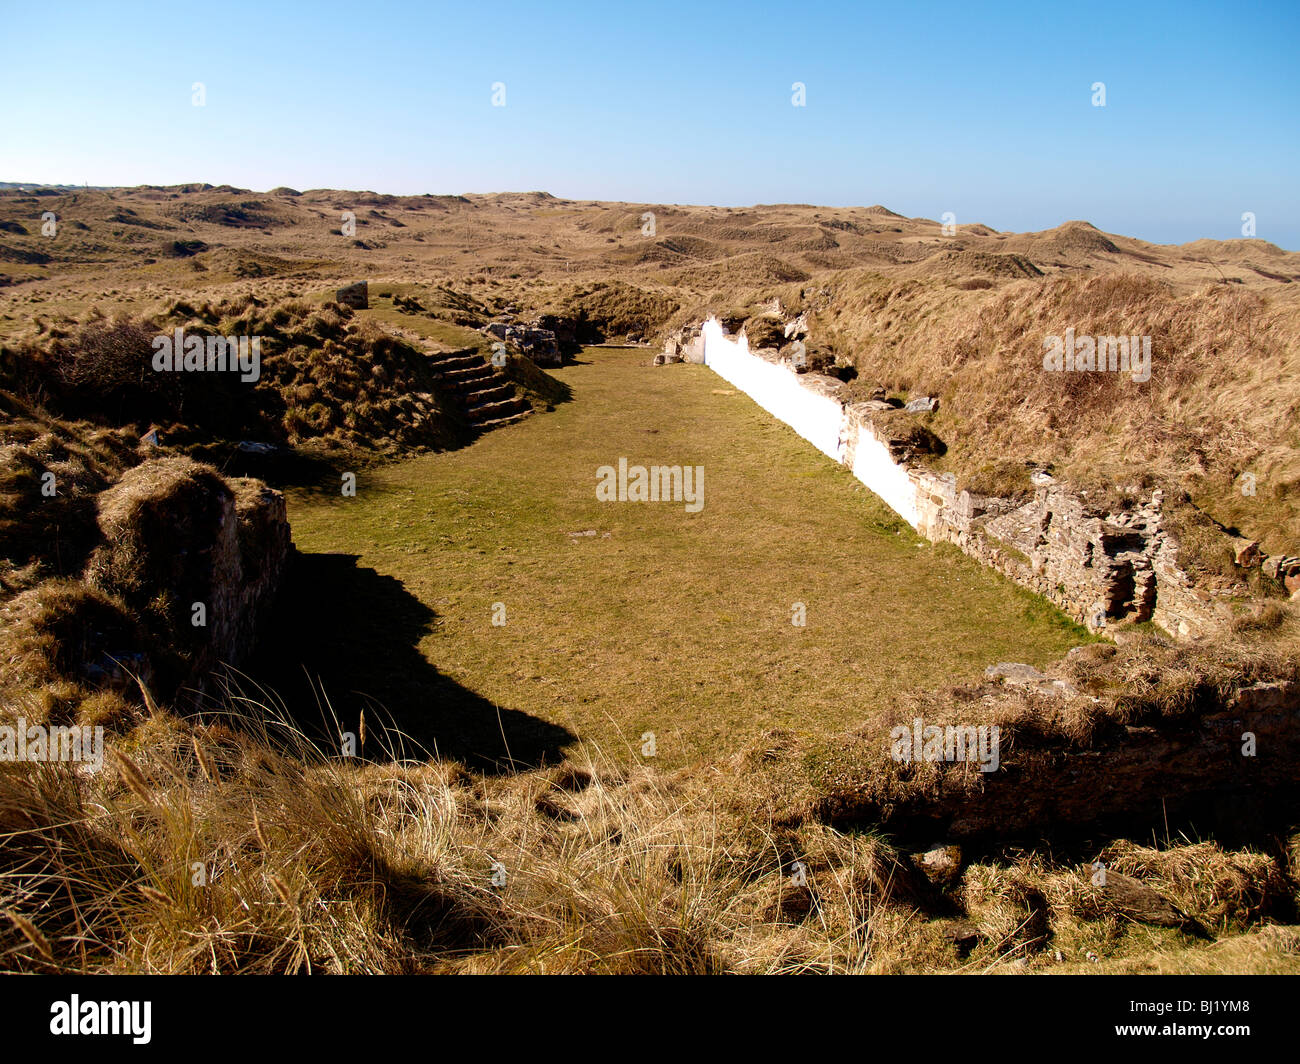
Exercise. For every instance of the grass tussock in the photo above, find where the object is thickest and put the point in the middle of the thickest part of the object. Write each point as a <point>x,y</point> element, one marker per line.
<point>51,472</point>
<point>601,311</point>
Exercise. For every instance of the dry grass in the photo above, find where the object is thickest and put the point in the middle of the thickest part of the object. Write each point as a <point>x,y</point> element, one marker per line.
<point>52,632</point>
<point>1151,678</point>
<point>327,377</point>
<point>962,316</point>
<point>206,848</point>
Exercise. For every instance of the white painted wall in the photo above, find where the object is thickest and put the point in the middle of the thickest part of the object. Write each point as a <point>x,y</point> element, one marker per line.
<point>873,466</point>
<point>817,418</point>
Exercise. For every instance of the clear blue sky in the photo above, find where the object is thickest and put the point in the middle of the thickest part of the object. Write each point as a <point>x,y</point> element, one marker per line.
<point>982,110</point>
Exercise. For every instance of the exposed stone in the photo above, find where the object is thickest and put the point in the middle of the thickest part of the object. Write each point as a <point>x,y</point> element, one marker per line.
<point>1263,696</point>
<point>570,332</point>
<point>257,447</point>
<point>537,343</point>
<point>1014,673</point>
<point>941,864</point>
<point>1096,566</point>
<point>1128,897</point>
<point>964,934</point>
<point>687,344</point>
<point>1150,772</point>
<point>1245,552</point>
<point>1027,676</point>
<point>797,328</point>
<point>924,405</point>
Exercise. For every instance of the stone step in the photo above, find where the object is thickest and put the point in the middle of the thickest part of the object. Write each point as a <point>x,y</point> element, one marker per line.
<point>482,369</point>
<point>489,399</point>
<point>455,352</point>
<point>489,411</point>
<point>464,385</point>
<point>488,395</point>
<point>512,400</point>
<point>495,423</point>
<point>445,363</point>
<point>465,388</point>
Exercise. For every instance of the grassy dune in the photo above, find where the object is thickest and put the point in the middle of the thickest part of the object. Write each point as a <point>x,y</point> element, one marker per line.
<point>661,621</point>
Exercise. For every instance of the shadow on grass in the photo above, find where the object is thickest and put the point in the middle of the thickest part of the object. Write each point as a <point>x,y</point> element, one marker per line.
<point>282,467</point>
<point>351,635</point>
<point>536,383</point>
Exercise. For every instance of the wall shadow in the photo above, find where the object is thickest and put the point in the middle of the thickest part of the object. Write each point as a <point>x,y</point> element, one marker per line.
<point>349,635</point>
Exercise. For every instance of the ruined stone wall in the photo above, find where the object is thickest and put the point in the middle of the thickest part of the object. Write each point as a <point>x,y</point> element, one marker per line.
<point>1097,567</point>
<point>1139,774</point>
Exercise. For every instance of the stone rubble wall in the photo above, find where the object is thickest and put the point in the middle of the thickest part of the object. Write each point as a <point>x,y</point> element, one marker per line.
<point>539,344</point>
<point>1097,568</point>
<point>1150,773</point>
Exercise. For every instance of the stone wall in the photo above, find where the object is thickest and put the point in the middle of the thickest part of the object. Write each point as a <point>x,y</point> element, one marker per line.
<point>539,344</point>
<point>1144,774</point>
<point>1096,566</point>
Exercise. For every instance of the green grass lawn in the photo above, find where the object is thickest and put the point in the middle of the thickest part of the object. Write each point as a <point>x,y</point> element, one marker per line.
<point>664,621</point>
<point>443,333</point>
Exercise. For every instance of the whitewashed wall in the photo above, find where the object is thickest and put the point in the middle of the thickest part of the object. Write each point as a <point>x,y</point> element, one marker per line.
<point>819,419</point>
<point>873,466</point>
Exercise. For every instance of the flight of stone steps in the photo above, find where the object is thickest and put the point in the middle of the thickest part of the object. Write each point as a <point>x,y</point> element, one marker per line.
<point>489,397</point>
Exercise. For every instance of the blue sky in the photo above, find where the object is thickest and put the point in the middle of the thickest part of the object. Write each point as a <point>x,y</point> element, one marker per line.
<point>982,110</point>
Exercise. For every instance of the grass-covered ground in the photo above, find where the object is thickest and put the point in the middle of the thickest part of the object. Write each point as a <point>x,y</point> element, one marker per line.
<point>661,621</point>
